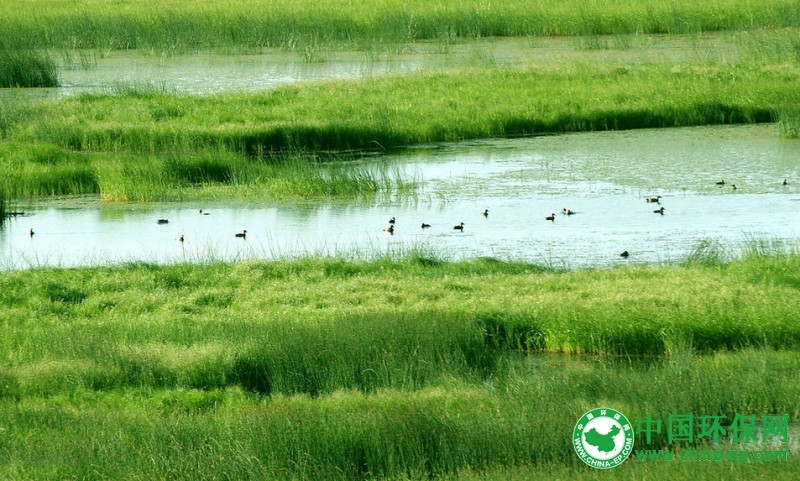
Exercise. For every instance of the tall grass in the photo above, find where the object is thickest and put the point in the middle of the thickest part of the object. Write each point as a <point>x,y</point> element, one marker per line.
<point>522,419</point>
<point>39,170</point>
<point>789,121</point>
<point>3,208</point>
<point>268,327</point>
<point>398,369</point>
<point>192,25</point>
<point>27,69</point>
<point>396,111</point>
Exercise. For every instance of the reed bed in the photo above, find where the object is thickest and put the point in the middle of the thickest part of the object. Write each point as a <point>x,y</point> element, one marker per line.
<point>517,421</point>
<point>309,25</point>
<point>398,111</point>
<point>399,369</point>
<point>23,69</point>
<point>267,327</point>
<point>41,170</point>
<point>3,207</point>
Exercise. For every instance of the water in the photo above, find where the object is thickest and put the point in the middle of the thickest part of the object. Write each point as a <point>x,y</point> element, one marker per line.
<point>208,73</point>
<point>604,177</point>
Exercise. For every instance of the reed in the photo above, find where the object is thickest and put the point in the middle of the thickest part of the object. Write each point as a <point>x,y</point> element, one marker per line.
<point>310,25</point>
<point>509,423</point>
<point>385,323</point>
<point>398,111</point>
<point>3,208</point>
<point>25,69</point>
<point>789,122</point>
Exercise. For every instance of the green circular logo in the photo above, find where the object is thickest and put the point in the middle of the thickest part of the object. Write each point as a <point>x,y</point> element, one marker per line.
<point>603,438</point>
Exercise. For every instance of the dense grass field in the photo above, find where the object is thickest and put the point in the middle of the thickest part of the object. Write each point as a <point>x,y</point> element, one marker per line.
<point>400,369</point>
<point>180,26</point>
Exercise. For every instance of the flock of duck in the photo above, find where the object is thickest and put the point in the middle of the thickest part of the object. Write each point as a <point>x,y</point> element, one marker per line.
<point>656,199</point>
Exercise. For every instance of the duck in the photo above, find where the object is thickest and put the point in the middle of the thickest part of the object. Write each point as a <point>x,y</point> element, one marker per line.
<point>425,226</point>
<point>721,182</point>
<point>624,254</point>
<point>551,217</point>
<point>652,198</point>
<point>242,234</point>
<point>485,213</point>
<point>180,238</point>
<point>459,227</point>
<point>30,231</point>
<point>659,211</point>
<point>733,186</point>
<point>391,221</point>
<point>204,213</point>
<point>389,229</point>
<point>784,182</point>
<point>568,211</point>
<point>163,221</point>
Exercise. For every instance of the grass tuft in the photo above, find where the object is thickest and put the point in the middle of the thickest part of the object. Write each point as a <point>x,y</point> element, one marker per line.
<point>26,69</point>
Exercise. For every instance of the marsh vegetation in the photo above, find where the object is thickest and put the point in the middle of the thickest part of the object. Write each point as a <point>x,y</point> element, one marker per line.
<point>409,367</point>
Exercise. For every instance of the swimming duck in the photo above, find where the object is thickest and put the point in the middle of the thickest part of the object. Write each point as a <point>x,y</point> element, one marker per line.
<point>163,221</point>
<point>242,234</point>
<point>568,211</point>
<point>624,254</point>
<point>180,239</point>
<point>651,199</point>
<point>733,187</point>
<point>391,221</point>
<point>784,182</point>
<point>659,211</point>
<point>31,232</point>
<point>485,213</point>
<point>721,182</point>
<point>389,229</point>
<point>551,217</point>
<point>204,213</point>
<point>459,227</point>
<point>425,226</point>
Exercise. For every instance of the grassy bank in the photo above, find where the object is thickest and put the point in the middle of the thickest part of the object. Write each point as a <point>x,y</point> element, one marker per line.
<point>382,323</point>
<point>41,170</point>
<point>514,424</point>
<point>194,25</point>
<point>395,111</point>
<point>398,369</point>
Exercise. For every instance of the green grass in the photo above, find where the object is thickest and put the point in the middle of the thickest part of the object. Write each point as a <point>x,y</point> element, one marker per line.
<point>26,69</point>
<point>195,25</point>
<point>41,170</point>
<point>516,422</point>
<point>382,323</point>
<point>3,207</point>
<point>789,120</point>
<point>399,368</point>
<point>397,111</point>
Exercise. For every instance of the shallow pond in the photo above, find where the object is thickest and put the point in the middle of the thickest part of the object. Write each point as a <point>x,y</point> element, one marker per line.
<point>82,71</point>
<point>603,177</point>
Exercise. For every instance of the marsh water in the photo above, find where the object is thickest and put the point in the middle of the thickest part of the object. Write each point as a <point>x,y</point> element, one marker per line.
<point>603,177</point>
<point>206,73</point>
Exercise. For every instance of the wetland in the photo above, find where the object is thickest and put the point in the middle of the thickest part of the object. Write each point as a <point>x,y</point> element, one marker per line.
<point>143,340</point>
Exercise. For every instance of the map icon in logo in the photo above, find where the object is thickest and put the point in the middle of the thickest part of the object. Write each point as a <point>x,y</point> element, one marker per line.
<point>603,438</point>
